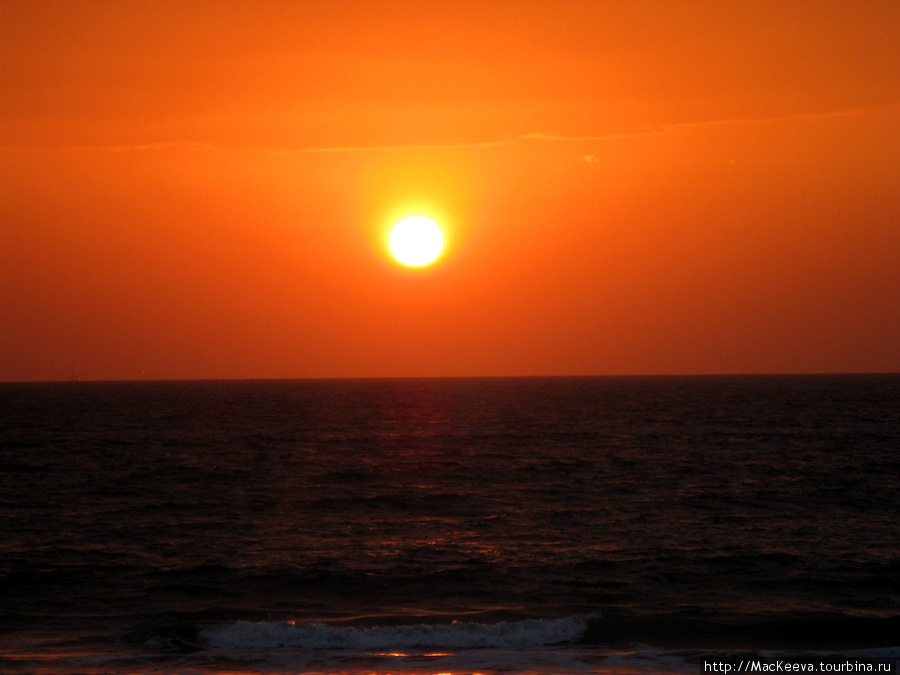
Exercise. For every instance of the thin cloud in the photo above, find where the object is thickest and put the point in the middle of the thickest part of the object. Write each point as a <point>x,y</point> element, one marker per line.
<point>670,128</point>
<point>522,138</point>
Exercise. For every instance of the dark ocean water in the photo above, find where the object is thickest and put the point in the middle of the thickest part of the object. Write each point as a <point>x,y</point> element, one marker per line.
<point>449,525</point>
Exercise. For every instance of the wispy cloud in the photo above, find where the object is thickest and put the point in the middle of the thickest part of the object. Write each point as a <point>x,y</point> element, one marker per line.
<point>536,136</point>
<point>679,126</point>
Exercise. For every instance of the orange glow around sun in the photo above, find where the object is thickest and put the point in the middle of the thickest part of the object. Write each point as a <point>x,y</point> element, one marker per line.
<point>207,189</point>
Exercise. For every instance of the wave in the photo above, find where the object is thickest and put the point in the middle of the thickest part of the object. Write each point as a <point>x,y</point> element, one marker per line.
<point>215,631</point>
<point>264,635</point>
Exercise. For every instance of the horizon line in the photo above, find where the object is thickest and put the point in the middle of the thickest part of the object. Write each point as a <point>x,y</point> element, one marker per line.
<point>836,373</point>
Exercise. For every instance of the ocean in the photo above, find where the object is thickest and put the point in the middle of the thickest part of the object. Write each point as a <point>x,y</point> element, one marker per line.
<point>473,525</point>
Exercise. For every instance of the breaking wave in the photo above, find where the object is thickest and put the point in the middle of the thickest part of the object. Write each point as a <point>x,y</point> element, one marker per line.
<point>457,635</point>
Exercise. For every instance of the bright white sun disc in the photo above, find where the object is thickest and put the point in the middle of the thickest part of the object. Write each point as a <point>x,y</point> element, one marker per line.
<point>416,240</point>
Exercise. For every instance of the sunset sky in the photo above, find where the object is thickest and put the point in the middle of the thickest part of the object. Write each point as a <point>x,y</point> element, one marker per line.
<point>204,189</point>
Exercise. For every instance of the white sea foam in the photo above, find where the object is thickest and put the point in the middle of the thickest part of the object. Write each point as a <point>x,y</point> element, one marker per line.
<point>457,635</point>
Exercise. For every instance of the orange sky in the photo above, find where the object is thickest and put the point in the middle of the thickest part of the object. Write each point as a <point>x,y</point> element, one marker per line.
<point>204,190</point>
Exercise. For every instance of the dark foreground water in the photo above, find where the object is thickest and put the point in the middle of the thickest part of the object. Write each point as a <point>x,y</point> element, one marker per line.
<point>553,525</point>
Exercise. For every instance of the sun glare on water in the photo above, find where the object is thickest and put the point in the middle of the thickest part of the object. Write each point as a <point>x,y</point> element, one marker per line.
<point>416,241</point>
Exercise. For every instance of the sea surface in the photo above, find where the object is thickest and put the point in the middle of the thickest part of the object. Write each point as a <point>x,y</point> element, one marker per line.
<point>478,525</point>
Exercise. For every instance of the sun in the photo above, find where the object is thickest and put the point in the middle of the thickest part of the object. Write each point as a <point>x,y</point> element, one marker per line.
<point>416,241</point>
